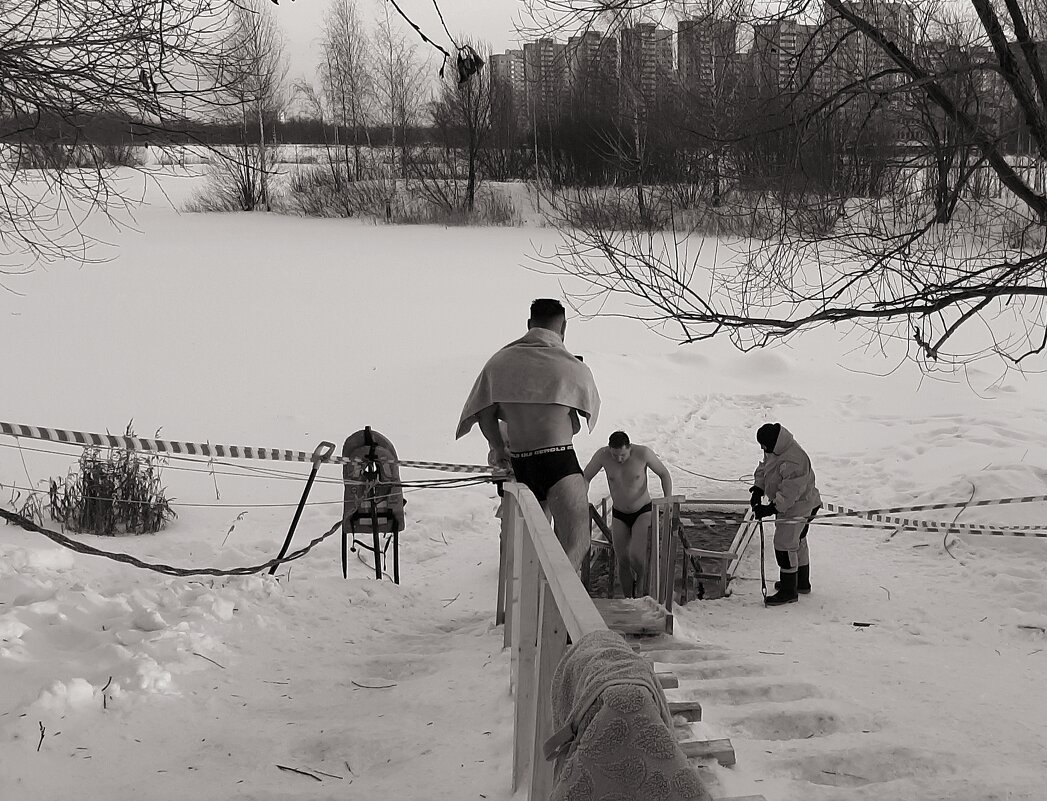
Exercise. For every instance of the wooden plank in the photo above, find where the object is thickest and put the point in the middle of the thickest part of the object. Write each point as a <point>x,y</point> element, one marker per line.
<point>632,615</point>
<point>704,553</point>
<point>552,643</point>
<point>526,646</point>
<point>663,643</point>
<point>684,702</point>
<point>710,669</point>
<point>601,522</point>
<point>713,502</point>
<point>720,750</point>
<point>748,527</point>
<point>574,603</point>
<point>504,539</point>
<point>512,592</point>
<point>667,681</point>
<point>686,657</point>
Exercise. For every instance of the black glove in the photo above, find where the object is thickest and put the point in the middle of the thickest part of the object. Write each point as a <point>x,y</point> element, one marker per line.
<point>763,510</point>
<point>757,494</point>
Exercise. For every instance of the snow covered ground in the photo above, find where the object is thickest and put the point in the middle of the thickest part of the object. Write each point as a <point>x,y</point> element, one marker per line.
<point>117,683</point>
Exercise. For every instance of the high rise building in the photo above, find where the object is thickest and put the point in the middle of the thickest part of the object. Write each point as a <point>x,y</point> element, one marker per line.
<point>782,56</point>
<point>704,49</point>
<point>508,67</point>
<point>850,56</point>
<point>545,78</point>
<point>647,73</point>
<point>592,64</point>
<point>507,73</point>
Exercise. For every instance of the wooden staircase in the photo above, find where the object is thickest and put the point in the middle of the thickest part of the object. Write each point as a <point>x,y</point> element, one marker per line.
<point>664,652</point>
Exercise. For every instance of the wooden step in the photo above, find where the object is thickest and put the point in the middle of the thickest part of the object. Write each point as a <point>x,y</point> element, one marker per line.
<point>663,643</point>
<point>668,681</point>
<point>634,615</point>
<point>684,703</point>
<point>691,656</point>
<point>710,669</point>
<point>720,750</point>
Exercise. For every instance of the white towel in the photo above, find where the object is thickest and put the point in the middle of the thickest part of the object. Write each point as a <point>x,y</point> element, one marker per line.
<point>536,368</point>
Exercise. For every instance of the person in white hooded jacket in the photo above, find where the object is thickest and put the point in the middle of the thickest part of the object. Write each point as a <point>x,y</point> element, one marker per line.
<point>786,478</point>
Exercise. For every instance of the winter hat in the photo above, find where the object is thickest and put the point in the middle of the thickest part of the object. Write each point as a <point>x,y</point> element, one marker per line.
<point>767,435</point>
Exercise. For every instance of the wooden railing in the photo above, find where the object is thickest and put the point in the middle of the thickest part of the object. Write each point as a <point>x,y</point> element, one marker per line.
<point>543,604</point>
<point>661,559</point>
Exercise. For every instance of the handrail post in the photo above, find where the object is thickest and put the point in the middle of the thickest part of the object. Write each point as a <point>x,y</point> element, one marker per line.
<point>552,644</point>
<point>653,557</point>
<point>504,560</point>
<point>525,648</point>
<point>514,557</point>
<point>545,604</point>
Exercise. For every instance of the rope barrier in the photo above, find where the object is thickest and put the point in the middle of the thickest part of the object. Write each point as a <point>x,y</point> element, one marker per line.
<point>169,570</point>
<point>168,447</point>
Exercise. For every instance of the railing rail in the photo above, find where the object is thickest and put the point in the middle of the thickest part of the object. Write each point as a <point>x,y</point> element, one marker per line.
<point>543,605</point>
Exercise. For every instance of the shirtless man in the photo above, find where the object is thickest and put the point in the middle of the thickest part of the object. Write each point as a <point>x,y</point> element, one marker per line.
<point>626,467</point>
<point>542,456</point>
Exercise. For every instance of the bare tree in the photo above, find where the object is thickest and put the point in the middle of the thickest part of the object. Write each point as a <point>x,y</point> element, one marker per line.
<point>151,62</point>
<point>400,84</point>
<point>346,78</point>
<point>462,113</point>
<point>830,251</point>
<point>256,72</point>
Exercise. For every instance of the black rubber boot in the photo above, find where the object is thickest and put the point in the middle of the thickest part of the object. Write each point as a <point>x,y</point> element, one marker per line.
<point>803,580</point>
<point>786,591</point>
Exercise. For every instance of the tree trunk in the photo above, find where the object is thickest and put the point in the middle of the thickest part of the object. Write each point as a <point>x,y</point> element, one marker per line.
<point>263,172</point>
<point>470,197</point>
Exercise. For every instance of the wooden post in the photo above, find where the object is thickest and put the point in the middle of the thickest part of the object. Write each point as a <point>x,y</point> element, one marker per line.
<point>654,557</point>
<point>671,551</point>
<point>503,562</point>
<point>525,648</point>
<point>552,644</point>
<point>514,551</point>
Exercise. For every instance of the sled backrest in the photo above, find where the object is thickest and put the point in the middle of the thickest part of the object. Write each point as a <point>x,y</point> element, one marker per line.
<point>373,475</point>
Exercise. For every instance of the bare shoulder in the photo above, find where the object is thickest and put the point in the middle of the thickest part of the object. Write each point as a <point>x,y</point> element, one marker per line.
<point>644,452</point>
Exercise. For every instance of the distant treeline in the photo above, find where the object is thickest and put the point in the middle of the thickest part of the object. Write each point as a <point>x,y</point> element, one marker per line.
<point>114,130</point>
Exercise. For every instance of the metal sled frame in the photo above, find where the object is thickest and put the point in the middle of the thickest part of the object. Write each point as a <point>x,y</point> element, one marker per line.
<point>372,511</point>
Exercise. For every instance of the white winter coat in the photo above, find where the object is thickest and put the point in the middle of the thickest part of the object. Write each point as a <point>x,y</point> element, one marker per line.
<point>786,477</point>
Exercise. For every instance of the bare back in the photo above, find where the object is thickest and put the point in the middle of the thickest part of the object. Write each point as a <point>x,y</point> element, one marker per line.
<point>538,425</point>
<point>627,480</point>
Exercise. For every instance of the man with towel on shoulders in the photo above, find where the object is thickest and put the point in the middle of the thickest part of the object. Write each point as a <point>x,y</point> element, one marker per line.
<point>538,389</point>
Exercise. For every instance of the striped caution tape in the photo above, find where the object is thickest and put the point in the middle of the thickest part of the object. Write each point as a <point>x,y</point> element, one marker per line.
<point>161,446</point>
<point>940,526</point>
<point>930,525</point>
<point>955,505</point>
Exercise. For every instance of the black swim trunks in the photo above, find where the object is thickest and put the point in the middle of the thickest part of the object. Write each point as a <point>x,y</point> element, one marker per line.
<point>540,470</point>
<point>631,517</point>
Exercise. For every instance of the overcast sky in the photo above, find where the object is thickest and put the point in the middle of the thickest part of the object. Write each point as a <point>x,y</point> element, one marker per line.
<point>485,20</point>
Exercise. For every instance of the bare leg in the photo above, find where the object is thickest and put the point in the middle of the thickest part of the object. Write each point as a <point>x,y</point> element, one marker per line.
<point>568,500</point>
<point>639,546</point>
<point>620,536</point>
